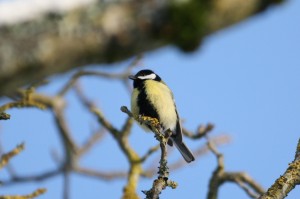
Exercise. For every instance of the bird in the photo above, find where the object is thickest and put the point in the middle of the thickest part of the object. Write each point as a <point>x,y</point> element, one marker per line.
<point>151,97</point>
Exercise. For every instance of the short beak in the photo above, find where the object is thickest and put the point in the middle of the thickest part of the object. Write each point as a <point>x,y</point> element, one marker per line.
<point>132,77</point>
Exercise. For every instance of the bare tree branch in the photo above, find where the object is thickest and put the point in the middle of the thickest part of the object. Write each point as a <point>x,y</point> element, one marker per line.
<point>286,182</point>
<point>103,175</point>
<point>200,133</point>
<point>66,185</point>
<point>149,152</point>
<point>220,176</point>
<point>69,144</point>
<point>163,172</point>
<point>106,32</point>
<point>35,194</point>
<point>120,76</point>
<point>96,111</point>
<point>45,175</point>
<point>7,156</point>
<point>70,162</point>
<point>94,139</point>
<point>121,138</point>
<point>217,141</point>
<point>21,104</point>
<point>247,189</point>
<point>180,163</point>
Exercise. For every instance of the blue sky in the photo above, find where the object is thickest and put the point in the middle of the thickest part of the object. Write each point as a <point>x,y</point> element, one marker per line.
<point>244,79</point>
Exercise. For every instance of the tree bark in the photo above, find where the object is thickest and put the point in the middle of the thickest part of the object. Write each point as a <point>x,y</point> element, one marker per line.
<point>103,32</point>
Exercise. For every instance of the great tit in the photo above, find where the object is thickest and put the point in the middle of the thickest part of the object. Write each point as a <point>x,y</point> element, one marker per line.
<point>152,97</point>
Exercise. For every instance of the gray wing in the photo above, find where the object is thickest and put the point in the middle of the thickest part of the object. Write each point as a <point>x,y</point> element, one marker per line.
<point>177,133</point>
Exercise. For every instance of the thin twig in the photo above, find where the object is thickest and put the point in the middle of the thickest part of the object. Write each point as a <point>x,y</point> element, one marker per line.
<point>31,178</point>
<point>126,129</point>
<point>35,194</point>
<point>247,189</point>
<point>94,139</point>
<point>96,111</point>
<point>80,74</point>
<point>220,176</point>
<point>217,141</point>
<point>66,185</point>
<point>103,175</point>
<point>120,76</point>
<point>121,137</point>
<point>7,156</point>
<point>201,132</point>
<point>69,143</point>
<point>149,152</point>
<point>180,163</point>
<point>8,166</point>
<point>21,104</point>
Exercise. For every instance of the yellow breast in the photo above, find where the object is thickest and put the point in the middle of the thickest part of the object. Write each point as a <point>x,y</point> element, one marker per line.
<point>134,107</point>
<point>161,97</point>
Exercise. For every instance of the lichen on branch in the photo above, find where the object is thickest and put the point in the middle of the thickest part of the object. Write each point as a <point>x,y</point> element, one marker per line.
<point>4,116</point>
<point>162,180</point>
<point>286,182</point>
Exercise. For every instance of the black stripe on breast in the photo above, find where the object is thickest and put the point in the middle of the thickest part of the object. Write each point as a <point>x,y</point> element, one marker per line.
<point>145,106</point>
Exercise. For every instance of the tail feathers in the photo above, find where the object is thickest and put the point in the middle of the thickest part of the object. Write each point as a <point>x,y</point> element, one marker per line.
<point>184,150</point>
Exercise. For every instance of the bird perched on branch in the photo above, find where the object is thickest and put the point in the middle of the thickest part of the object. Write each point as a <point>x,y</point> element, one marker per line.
<point>152,97</point>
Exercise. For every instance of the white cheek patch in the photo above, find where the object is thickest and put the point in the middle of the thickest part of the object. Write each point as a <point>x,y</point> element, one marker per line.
<point>151,76</point>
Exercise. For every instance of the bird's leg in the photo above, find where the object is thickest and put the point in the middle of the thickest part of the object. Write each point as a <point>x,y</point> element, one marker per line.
<point>168,133</point>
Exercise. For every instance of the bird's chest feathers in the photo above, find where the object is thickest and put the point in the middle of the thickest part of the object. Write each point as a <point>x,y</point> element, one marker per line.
<point>160,96</point>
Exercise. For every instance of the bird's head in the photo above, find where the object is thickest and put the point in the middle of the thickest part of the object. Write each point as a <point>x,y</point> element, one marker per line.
<point>144,75</point>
